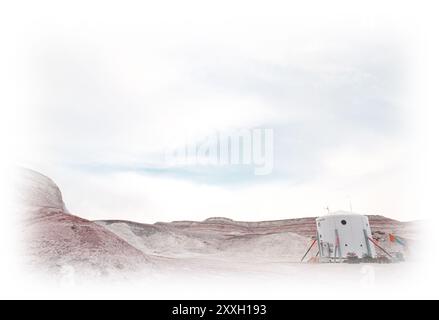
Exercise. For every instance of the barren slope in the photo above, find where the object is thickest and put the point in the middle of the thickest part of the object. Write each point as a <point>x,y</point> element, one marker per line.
<point>57,240</point>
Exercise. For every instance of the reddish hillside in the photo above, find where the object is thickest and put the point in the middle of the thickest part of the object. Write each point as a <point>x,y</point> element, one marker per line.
<point>303,226</point>
<point>58,240</point>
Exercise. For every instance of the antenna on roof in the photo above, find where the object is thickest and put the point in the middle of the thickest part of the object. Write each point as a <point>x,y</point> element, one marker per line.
<point>327,208</point>
<point>350,203</point>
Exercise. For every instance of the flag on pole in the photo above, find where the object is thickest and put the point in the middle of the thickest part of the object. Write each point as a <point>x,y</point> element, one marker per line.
<point>392,237</point>
<point>397,239</point>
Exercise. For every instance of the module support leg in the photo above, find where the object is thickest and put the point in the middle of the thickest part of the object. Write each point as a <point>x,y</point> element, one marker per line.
<point>366,237</point>
<point>337,246</point>
<point>309,249</point>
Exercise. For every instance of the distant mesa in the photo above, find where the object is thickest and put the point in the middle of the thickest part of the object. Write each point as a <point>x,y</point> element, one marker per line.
<point>219,220</point>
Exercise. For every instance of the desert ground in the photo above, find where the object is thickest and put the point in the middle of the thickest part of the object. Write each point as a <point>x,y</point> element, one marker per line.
<point>61,244</point>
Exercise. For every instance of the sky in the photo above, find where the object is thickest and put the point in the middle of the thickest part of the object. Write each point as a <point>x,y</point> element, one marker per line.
<point>107,98</point>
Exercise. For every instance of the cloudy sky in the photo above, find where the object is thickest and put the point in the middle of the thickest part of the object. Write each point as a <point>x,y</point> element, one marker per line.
<point>108,94</point>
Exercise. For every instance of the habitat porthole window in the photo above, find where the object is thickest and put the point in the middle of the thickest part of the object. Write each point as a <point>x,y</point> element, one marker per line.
<point>343,222</point>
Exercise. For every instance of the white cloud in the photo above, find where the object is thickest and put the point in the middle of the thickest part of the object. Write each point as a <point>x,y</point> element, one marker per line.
<point>119,89</point>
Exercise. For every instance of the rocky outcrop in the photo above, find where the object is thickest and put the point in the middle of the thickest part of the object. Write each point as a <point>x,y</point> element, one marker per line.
<point>57,240</point>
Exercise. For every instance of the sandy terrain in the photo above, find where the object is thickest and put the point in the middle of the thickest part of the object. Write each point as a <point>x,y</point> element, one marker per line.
<point>58,240</point>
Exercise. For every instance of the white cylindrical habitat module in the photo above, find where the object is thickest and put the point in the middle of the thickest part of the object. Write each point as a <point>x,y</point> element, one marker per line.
<point>343,235</point>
